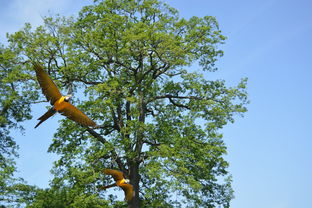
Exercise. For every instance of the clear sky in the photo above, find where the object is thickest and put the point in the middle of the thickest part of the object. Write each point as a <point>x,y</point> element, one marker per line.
<point>270,42</point>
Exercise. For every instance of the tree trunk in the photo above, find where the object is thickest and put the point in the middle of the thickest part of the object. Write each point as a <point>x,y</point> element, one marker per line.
<point>134,180</point>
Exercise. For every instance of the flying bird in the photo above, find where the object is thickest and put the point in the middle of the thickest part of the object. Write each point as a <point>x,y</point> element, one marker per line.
<point>120,180</point>
<point>59,102</point>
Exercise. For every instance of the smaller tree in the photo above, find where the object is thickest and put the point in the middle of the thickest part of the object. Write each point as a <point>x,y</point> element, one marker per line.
<point>15,101</point>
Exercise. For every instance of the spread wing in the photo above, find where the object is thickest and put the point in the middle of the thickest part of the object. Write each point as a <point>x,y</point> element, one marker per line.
<point>117,175</point>
<point>48,87</point>
<point>128,189</point>
<point>75,114</point>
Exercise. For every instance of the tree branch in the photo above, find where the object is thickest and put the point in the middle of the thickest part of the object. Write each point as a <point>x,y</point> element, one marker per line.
<point>119,116</point>
<point>172,97</point>
<point>108,128</point>
<point>178,104</point>
<point>85,81</point>
<point>154,144</point>
<point>178,97</point>
<point>150,111</point>
<point>113,152</point>
<point>116,124</point>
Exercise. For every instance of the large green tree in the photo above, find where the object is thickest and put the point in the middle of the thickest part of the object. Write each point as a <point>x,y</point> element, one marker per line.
<point>140,71</point>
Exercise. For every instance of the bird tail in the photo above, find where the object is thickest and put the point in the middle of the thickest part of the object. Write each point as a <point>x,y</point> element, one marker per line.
<point>45,116</point>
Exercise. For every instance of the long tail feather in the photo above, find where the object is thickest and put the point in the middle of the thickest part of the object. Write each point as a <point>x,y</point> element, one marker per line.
<point>45,116</point>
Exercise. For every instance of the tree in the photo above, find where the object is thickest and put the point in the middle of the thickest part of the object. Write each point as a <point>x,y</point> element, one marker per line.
<point>129,64</point>
<point>15,101</point>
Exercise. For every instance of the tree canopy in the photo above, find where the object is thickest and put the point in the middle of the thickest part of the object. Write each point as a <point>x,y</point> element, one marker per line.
<point>140,71</point>
<point>15,97</point>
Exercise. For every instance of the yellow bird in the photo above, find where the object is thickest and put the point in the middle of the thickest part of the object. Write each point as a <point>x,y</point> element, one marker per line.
<point>121,182</point>
<point>60,103</point>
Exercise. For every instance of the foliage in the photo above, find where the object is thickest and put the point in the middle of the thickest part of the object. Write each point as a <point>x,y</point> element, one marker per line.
<point>15,107</point>
<point>129,62</point>
<point>64,197</point>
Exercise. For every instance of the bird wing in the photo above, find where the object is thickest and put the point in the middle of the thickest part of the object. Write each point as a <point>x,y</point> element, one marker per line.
<point>75,114</point>
<point>117,175</point>
<point>128,189</point>
<point>49,89</point>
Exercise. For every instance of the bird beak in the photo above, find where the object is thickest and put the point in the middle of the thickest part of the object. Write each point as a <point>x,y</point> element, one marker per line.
<point>68,97</point>
<point>127,181</point>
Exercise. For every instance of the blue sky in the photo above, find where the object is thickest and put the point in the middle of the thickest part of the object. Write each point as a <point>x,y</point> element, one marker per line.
<point>269,41</point>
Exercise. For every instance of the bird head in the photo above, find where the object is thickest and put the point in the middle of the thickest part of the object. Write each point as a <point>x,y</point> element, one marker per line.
<point>127,180</point>
<point>68,97</point>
